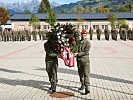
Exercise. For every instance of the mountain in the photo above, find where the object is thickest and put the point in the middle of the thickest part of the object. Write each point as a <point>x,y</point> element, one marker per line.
<point>113,5</point>
<point>93,5</point>
<point>19,7</point>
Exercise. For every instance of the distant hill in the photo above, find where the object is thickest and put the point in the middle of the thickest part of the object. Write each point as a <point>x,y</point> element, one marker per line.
<point>19,7</point>
<point>113,5</point>
<point>32,6</point>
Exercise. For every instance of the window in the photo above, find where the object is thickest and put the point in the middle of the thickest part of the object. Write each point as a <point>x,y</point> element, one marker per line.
<point>104,26</point>
<point>95,26</point>
<point>21,27</point>
<point>45,26</point>
<point>84,26</point>
<point>77,26</point>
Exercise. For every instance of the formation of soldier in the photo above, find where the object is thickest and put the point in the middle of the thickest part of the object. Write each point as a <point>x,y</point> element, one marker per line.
<point>123,33</point>
<point>22,35</point>
<point>26,35</point>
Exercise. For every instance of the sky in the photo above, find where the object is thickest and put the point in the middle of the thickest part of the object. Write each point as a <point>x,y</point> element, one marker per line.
<point>60,1</point>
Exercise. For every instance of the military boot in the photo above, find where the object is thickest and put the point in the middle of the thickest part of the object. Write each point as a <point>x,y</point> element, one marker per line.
<point>82,87</point>
<point>87,90</point>
<point>53,88</point>
<point>50,87</point>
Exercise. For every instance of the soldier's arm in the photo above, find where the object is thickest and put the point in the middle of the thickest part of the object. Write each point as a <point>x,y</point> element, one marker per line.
<point>86,50</point>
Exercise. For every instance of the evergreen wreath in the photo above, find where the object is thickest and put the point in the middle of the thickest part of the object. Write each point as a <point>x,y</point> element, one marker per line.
<point>64,35</point>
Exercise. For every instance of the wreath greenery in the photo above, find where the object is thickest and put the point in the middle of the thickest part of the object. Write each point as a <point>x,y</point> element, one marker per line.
<point>64,35</point>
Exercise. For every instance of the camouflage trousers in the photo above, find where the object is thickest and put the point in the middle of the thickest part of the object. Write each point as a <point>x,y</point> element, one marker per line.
<point>84,72</point>
<point>51,68</point>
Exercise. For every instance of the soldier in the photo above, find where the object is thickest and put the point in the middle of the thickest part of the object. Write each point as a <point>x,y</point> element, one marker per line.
<point>51,61</point>
<point>4,35</point>
<point>29,35</point>
<point>129,34</point>
<point>20,34</point>
<point>124,34</point>
<point>98,31</point>
<point>7,32</point>
<point>83,63</point>
<point>44,33</point>
<point>120,32</point>
<point>23,35</point>
<point>12,35</point>
<point>40,35</point>
<point>34,33</point>
<point>107,33</point>
<point>114,33</point>
<point>0,35</point>
<point>91,33</point>
<point>132,34</point>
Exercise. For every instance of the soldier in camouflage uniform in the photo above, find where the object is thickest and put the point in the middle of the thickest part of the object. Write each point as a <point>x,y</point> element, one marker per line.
<point>29,35</point>
<point>40,35</point>
<point>129,34</point>
<point>98,31</point>
<point>51,61</point>
<point>4,35</point>
<point>124,34</point>
<point>107,33</point>
<point>34,33</point>
<point>0,35</point>
<point>114,33</point>
<point>91,33</point>
<point>132,34</point>
<point>83,63</point>
<point>44,34</point>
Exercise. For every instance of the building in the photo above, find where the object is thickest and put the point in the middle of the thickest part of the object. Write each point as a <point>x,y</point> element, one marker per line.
<point>94,20</point>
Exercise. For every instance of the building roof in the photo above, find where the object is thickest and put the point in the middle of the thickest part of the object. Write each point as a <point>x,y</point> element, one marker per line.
<point>72,16</point>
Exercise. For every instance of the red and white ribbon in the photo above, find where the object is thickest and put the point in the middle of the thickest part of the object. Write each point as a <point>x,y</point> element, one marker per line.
<point>68,56</point>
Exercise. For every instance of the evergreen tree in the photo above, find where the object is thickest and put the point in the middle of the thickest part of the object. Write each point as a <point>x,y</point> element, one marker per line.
<point>74,10</point>
<point>121,22</point>
<point>26,11</point>
<point>63,10</point>
<point>112,19</point>
<point>34,21</point>
<point>44,6</point>
<point>51,17</point>
<point>87,9</point>
<point>102,10</point>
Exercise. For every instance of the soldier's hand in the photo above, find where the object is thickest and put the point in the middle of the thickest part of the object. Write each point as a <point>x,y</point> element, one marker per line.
<point>59,55</point>
<point>75,54</point>
<point>53,55</point>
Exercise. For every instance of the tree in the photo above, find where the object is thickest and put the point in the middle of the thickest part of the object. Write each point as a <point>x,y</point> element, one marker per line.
<point>87,9</point>
<point>44,6</point>
<point>34,21</point>
<point>80,20</point>
<point>51,17</point>
<point>112,19</point>
<point>74,10</point>
<point>26,11</point>
<point>81,9</point>
<point>4,15</point>
<point>124,9</point>
<point>121,22</point>
<point>124,26</point>
<point>102,10</point>
<point>63,10</point>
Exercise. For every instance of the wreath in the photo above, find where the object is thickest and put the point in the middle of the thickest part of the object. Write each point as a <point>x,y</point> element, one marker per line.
<point>64,35</point>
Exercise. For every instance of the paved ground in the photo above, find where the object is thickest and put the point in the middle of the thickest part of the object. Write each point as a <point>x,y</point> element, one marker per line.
<point>23,75</point>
